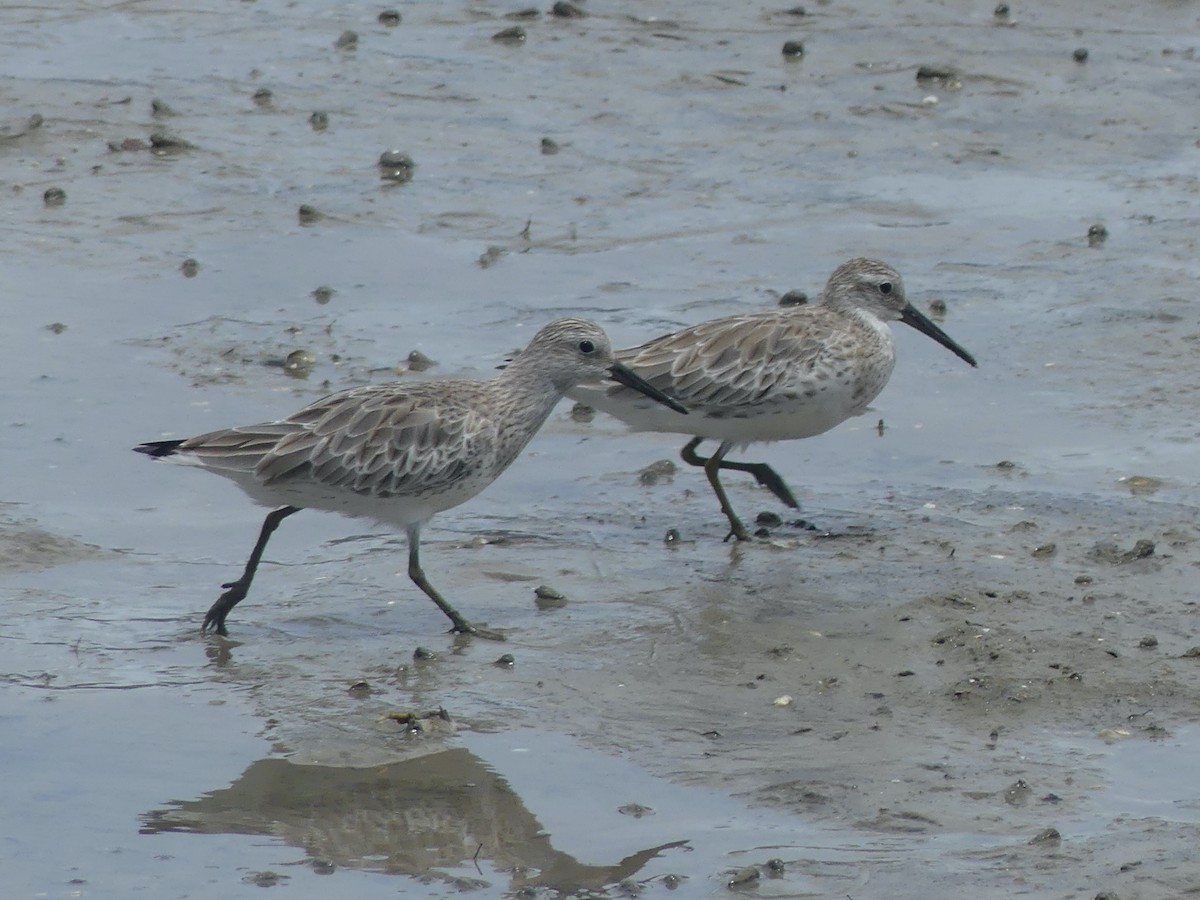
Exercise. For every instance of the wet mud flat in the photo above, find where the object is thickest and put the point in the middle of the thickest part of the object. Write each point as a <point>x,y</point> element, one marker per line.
<point>976,673</point>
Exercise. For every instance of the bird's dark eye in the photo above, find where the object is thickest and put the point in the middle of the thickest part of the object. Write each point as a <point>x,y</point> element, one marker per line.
<point>885,287</point>
<point>587,347</point>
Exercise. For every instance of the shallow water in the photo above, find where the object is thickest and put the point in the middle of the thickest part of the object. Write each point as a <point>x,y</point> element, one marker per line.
<point>934,663</point>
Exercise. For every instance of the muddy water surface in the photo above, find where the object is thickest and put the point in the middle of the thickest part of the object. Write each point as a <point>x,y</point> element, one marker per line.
<point>976,675</point>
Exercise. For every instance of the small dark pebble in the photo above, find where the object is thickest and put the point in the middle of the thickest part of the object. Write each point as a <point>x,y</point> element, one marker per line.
<point>322,867</point>
<point>743,876</point>
<point>162,142</point>
<point>1047,836</point>
<point>299,363</point>
<point>189,267</point>
<point>513,35</point>
<point>803,525</point>
<point>1044,550</point>
<point>529,12</point>
<point>762,532</point>
<point>937,308</point>
<point>54,196</point>
<point>1107,895</point>
<point>1052,798</point>
<point>545,592</point>
<point>565,10</point>
<point>506,661</point>
<point>672,881</point>
<point>672,536</point>
<point>1191,653</point>
<point>319,121</point>
<point>424,653</point>
<point>160,108</point>
<point>1001,11</point>
<point>419,362</point>
<point>796,11</point>
<point>907,673</point>
<point>1097,235</point>
<point>263,97</point>
<point>768,518</point>
<point>360,690</point>
<point>635,810</point>
<point>1080,55</point>
<point>309,214</point>
<point>581,412</point>
<point>775,866</point>
<point>390,18</point>
<point>937,73</point>
<point>347,40</point>
<point>549,146</point>
<point>264,879</point>
<point>657,472</point>
<point>1149,642</point>
<point>793,49</point>
<point>793,298</point>
<point>396,166</point>
<point>56,327</point>
<point>323,294</point>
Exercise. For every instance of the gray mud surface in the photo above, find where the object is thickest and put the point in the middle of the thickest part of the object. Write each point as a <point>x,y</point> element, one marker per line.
<point>978,676</point>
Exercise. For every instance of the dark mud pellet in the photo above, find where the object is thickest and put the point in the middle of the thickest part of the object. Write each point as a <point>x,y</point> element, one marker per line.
<point>937,73</point>
<point>390,18</point>
<point>189,267</point>
<point>1096,235</point>
<point>635,810</point>
<point>743,876</point>
<point>160,108</point>
<point>513,35</point>
<point>162,142</point>
<point>549,146</point>
<point>545,592</point>
<point>506,661</point>
<point>762,532</point>
<point>775,866</point>
<point>672,536</point>
<point>1001,12</point>
<point>424,653</point>
<point>1149,642</point>
<point>796,11</point>
<point>54,196</point>
<point>56,327</point>
<point>1080,55</point>
<point>803,524</point>
<point>419,362</point>
<point>319,121</point>
<point>937,308</point>
<point>299,363</point>
<point>309,214</point>
<point>395,165</point>
<point>347,40</point>
<point>1049,836</point>
<point>322,867</point>
<point>672,881</point>
<point>793,49</point>
<point>263,97</point>
<point>529,12</point>
<point>1044,550</point>
<point>769,519</point>
<point>360,690</point>
<point>793,298</point>
<point>323,294</point>
<point>565,10</point>
<point>581,412</point>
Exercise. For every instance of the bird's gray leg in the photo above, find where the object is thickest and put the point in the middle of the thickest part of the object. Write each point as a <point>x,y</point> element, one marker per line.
<point>417,574</point>
<point>712,468</point>
<point>763,474</point>
<point>236,590</point>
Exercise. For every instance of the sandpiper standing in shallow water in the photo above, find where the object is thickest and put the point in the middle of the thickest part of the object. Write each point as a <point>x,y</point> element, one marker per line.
<point>773,375</point>
<point>398,453</point>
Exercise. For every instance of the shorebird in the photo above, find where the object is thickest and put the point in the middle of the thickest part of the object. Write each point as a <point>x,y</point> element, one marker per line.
<point>399,453</point>
<point>774,375</point>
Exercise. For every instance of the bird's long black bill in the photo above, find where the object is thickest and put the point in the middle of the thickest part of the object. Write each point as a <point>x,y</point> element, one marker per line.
<point>910,316</point>
<point>626,376</point>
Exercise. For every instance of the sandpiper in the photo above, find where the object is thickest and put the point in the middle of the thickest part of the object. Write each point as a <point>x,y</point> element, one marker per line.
<point>779,374</point>
<point>399,453</point>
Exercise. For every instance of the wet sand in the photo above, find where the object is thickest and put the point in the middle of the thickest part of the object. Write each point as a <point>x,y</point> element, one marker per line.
<point>978,674</point>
